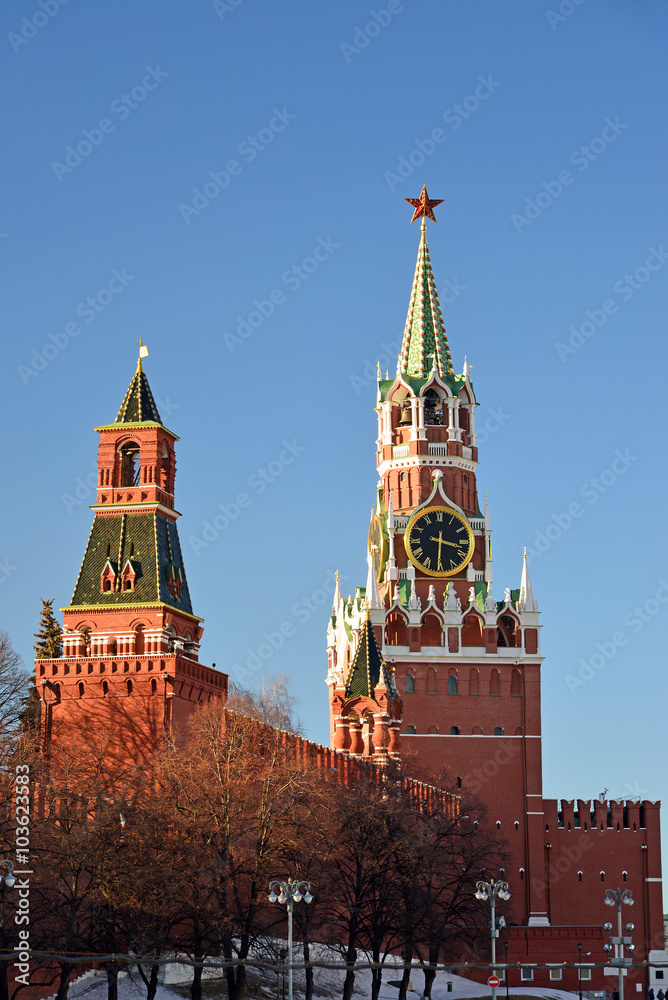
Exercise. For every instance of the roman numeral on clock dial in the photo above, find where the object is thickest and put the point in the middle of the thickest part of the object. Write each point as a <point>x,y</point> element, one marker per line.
<point>439,541</point>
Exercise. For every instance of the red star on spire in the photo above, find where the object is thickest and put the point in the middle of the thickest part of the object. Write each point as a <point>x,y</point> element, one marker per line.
<point>424,205</point>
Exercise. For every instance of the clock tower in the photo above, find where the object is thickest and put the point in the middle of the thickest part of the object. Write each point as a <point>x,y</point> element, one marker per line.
<point>455,668</point>
<point>465,664</point>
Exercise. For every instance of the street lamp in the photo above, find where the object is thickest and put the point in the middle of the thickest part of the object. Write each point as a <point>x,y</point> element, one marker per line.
<point>9,879</point>
<point>580,967</point>
<point>615,897</point>
<point>490,891</point>
<point>506,946</point>
<point>287,894</point>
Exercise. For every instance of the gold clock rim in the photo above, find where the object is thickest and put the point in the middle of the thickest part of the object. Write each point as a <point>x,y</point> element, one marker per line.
<point>446,510</point>
<point>385,548</point>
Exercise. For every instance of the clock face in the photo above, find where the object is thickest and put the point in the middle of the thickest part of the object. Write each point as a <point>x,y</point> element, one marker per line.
<point>439,541</point>
<point>378,546</point>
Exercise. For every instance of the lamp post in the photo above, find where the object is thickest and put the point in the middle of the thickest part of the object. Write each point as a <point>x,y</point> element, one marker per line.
<point>288,893</point>
<point>506,946</point>
<point>580,969</point>
<point>7,883</point>
<point>490,891</point>
<point>615,897</point>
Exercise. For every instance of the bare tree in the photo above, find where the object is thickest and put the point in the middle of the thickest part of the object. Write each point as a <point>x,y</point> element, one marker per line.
<point>233,787</point>
<point>271,703</point>
<point>14,685</point>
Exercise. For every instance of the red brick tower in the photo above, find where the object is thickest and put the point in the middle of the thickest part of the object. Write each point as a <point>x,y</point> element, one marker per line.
<point>467,665</point>
<point>130,638</point>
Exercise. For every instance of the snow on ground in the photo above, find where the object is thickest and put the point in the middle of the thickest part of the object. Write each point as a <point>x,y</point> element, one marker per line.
<point>266,985</point>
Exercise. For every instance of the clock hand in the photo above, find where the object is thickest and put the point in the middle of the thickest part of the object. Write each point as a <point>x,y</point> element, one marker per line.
<point>440,542</point>
<point>444,541</point>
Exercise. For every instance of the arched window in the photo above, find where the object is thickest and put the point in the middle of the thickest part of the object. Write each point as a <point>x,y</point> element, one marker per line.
<point>410,730</point>
<point>516,682</point>
<point>498,730</point>
<point>130,464</point>
<point>452,684</point>
<point>105,689</point>
<point>579,876</point>
<point>128,684</point>
<point>56,691</point>
<point>602,876</point>
<point>410,684</point>
<point>165,469</point>
<point>395,630</point>
<point>431,680</point>
<point>433,730</point>
<point>495,681</point>
<point>474,681</point>
<point>454,730</point>
<point>154,685</point>
<point>477,731</point>
<point>431,632</point>
<point>81,689</point>
<point>507,632</point>
<point>139,640</point>
<point>472,631</point>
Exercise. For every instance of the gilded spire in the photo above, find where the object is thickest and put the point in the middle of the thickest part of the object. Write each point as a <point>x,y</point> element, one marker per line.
<point>424,333</point>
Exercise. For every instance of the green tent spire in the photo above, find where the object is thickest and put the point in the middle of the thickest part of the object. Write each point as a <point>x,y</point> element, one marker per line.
<point>424,333</point>
<point>368,669</point>
<point>138,403</point>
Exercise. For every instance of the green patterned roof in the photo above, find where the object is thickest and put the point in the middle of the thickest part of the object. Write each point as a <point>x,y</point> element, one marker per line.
<point>416,385</point>
<point>367,667</point>
<point>424,333</point>
<point>138,403</point>
<point>150,543</point>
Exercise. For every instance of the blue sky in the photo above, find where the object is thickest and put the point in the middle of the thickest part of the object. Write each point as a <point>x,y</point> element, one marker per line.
<point>213,148</point>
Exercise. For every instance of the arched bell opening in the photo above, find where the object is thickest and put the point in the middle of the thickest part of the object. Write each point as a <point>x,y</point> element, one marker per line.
<point>401,414</point>
<point>130,457</point>
<point>433,407</point>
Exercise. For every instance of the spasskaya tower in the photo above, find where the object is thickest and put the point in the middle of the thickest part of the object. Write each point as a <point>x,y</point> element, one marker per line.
<point>454,679</point>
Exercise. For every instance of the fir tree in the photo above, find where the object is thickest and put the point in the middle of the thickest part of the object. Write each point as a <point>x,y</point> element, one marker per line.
<point>49,644</point>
